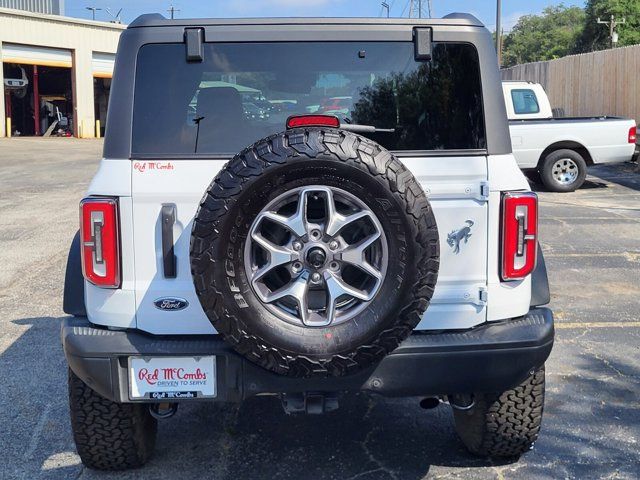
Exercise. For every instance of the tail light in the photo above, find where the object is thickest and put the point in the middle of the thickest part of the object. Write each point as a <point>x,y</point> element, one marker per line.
<point>633,134</point>
<point>519,234</point>
<point>295,121</point>
<point>100,244</point>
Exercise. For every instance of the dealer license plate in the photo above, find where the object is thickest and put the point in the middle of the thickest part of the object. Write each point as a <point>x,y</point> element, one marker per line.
<point>172,377</point>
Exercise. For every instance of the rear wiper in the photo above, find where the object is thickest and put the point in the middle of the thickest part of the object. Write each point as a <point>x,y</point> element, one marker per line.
<point>354,127</point>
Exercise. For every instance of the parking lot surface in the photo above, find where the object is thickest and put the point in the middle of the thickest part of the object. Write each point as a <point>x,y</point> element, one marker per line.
<point>591,429</point>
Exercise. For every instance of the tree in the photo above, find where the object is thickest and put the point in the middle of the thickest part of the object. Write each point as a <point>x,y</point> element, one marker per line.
<point>595,36</point>
<point>552,34</point>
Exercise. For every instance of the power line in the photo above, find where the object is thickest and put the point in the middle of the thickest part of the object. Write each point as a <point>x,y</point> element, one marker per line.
<point>417,9</point>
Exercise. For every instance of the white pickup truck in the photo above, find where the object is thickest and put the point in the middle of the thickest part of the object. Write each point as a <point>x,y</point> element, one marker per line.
<point>561,149</point>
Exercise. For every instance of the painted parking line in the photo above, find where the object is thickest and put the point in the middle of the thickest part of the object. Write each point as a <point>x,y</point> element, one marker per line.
<point>561,325</point>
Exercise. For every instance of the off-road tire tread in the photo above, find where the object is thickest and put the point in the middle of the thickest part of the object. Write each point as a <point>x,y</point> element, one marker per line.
<point>307,144</point>
<point>109,435</point>
<point>505,424</point>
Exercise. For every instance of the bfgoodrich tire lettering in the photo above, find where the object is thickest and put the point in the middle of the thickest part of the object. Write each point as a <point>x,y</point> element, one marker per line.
<point>291,160</point>
<point>109,435</point>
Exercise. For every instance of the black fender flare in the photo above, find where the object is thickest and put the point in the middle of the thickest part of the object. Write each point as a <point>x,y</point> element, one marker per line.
<point>540,294</point>
<point>73,300</point>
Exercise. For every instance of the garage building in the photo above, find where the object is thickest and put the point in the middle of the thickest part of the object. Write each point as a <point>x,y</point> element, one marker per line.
<point>56,73</point>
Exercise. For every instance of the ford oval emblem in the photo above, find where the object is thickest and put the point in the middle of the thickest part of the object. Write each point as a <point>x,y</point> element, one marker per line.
<point>171,304</point>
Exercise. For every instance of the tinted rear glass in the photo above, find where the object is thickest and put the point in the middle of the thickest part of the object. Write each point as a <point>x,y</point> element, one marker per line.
<point>243,92</point>
<point>524,101</point>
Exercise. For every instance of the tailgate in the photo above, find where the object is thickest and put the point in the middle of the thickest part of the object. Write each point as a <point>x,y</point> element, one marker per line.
<point>456,186</point>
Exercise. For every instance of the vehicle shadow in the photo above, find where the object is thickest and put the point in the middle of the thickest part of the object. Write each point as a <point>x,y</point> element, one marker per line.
<point>590,422</point>
<point>625,174</point>
<point>366,438</point>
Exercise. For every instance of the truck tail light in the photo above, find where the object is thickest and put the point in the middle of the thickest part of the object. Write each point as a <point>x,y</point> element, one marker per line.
<point>519,234</point>
<point>100,245</point>
<point>633,134</point>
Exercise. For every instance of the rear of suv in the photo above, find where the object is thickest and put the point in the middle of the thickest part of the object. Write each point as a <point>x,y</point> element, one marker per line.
<point>390,248</point>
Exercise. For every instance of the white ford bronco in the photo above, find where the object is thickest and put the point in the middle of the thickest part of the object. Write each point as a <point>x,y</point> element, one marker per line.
<point>305,208</point>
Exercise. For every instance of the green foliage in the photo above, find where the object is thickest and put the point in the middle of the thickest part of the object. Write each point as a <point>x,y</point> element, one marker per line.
<point>596,36</point>
<point>562,30</point>
<point>552,34</point>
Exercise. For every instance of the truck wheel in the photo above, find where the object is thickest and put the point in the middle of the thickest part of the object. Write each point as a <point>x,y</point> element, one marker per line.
<point>503,424</point>
<point>314,252</point>
<point>109,435</point>
<point>563,171</point>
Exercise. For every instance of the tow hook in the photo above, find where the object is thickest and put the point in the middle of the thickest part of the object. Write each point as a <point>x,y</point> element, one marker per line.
<point>161,410</point>
<point>462,403</point>
<point>310,403</point>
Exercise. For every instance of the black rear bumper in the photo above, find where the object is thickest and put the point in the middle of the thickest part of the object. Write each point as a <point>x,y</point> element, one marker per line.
<point>491,357</point>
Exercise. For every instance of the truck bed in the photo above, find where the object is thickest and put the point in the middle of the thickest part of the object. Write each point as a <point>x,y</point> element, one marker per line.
<point>604,138</point>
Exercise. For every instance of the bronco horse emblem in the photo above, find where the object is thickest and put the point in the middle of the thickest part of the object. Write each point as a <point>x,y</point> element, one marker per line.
<point>457,236</point>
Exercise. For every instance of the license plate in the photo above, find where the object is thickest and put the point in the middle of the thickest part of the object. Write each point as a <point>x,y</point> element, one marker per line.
<point>172,377</point>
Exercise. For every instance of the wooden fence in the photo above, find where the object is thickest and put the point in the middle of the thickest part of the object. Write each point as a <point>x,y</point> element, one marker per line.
<point>599,83</point>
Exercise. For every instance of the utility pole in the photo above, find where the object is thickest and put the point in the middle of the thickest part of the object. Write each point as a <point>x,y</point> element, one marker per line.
<point>612,24</point>
<point>93,11</point>
<point>172,11</point>
<point>430,7</point>
<point>385,5</point>
<point>499,31</point>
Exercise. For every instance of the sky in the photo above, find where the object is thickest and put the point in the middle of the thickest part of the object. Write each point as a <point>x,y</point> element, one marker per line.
<point>484,10</point>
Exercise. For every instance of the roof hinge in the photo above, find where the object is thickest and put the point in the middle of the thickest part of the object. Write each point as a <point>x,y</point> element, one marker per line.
<point>422,43</point>
<point>194,38</point>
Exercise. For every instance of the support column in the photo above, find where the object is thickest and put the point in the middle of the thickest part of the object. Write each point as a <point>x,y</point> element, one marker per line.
<point>3,120</point>
<point>36,101</point>
<point>83,103</point>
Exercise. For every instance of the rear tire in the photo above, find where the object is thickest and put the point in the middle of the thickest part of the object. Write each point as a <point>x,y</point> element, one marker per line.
<point>563,171</point>
<point>504,424</point>
<point>109,435</point>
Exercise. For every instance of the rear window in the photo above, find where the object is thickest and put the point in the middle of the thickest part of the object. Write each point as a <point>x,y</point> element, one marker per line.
<point>243,92</point>
<point>524,101</point>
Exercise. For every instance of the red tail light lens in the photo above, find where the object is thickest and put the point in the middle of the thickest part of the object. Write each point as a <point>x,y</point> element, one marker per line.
<point>295,121</point>
<point>633,134</point>
<point>99,241</point>
<point>519,234</point>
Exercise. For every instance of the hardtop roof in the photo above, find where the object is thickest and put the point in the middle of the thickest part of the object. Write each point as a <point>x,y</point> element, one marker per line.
<point>157,20</point>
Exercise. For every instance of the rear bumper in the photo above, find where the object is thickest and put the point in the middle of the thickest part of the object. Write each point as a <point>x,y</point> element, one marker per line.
<point>491,357</point>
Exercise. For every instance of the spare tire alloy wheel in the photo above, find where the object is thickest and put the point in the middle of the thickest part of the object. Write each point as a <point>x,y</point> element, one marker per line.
<point>319,287</point>
<point>314,252</point>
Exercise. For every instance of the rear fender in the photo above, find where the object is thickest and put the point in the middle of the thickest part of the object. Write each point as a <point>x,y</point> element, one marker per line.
<point>73,301</point>
<point>540,294</point>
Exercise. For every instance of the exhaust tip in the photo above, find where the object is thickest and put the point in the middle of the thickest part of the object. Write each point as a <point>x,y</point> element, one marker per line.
<point>429,403</point>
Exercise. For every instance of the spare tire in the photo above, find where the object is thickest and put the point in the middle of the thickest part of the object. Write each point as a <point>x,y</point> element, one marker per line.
<point>314,252</point>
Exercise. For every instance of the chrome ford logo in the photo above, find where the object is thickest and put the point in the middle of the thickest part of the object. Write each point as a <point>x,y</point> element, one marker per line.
<point>171,304</point>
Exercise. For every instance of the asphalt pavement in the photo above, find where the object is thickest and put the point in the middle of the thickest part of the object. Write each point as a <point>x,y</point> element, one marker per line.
<point>591,428</point>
